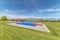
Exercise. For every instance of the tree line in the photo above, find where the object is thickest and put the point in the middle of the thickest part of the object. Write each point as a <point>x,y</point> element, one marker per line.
<point>3,18</point>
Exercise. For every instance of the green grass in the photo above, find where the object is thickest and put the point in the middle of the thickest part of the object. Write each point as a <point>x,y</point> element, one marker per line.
<point>15,33</point>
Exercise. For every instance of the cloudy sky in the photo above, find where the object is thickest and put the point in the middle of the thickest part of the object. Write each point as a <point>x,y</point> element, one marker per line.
<point>30,8</point>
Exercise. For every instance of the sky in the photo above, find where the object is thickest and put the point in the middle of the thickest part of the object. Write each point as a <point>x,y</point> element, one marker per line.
<point>30,8</point>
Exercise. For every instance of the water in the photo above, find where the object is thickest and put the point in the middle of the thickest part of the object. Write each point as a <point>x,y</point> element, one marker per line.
<point>27,23</point>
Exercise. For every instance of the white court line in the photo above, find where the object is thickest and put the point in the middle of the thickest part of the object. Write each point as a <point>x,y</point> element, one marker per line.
<point>42,28</point>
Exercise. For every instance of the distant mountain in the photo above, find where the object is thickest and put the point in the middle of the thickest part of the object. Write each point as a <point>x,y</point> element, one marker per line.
<point>50,19</point>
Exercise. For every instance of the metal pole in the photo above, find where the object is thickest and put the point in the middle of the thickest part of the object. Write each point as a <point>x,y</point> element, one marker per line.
<point>42,21</point>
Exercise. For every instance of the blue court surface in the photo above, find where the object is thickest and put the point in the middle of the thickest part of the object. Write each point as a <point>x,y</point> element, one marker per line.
<point>30,25</point>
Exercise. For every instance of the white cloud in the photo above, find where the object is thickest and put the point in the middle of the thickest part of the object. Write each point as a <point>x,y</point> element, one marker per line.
<point>9,14</point>
<point>49,10</point>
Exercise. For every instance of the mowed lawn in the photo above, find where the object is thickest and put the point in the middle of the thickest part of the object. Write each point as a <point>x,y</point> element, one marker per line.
<point>15,33</point>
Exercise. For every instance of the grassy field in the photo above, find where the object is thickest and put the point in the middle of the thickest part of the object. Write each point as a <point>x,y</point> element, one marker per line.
<point>15,33</point>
